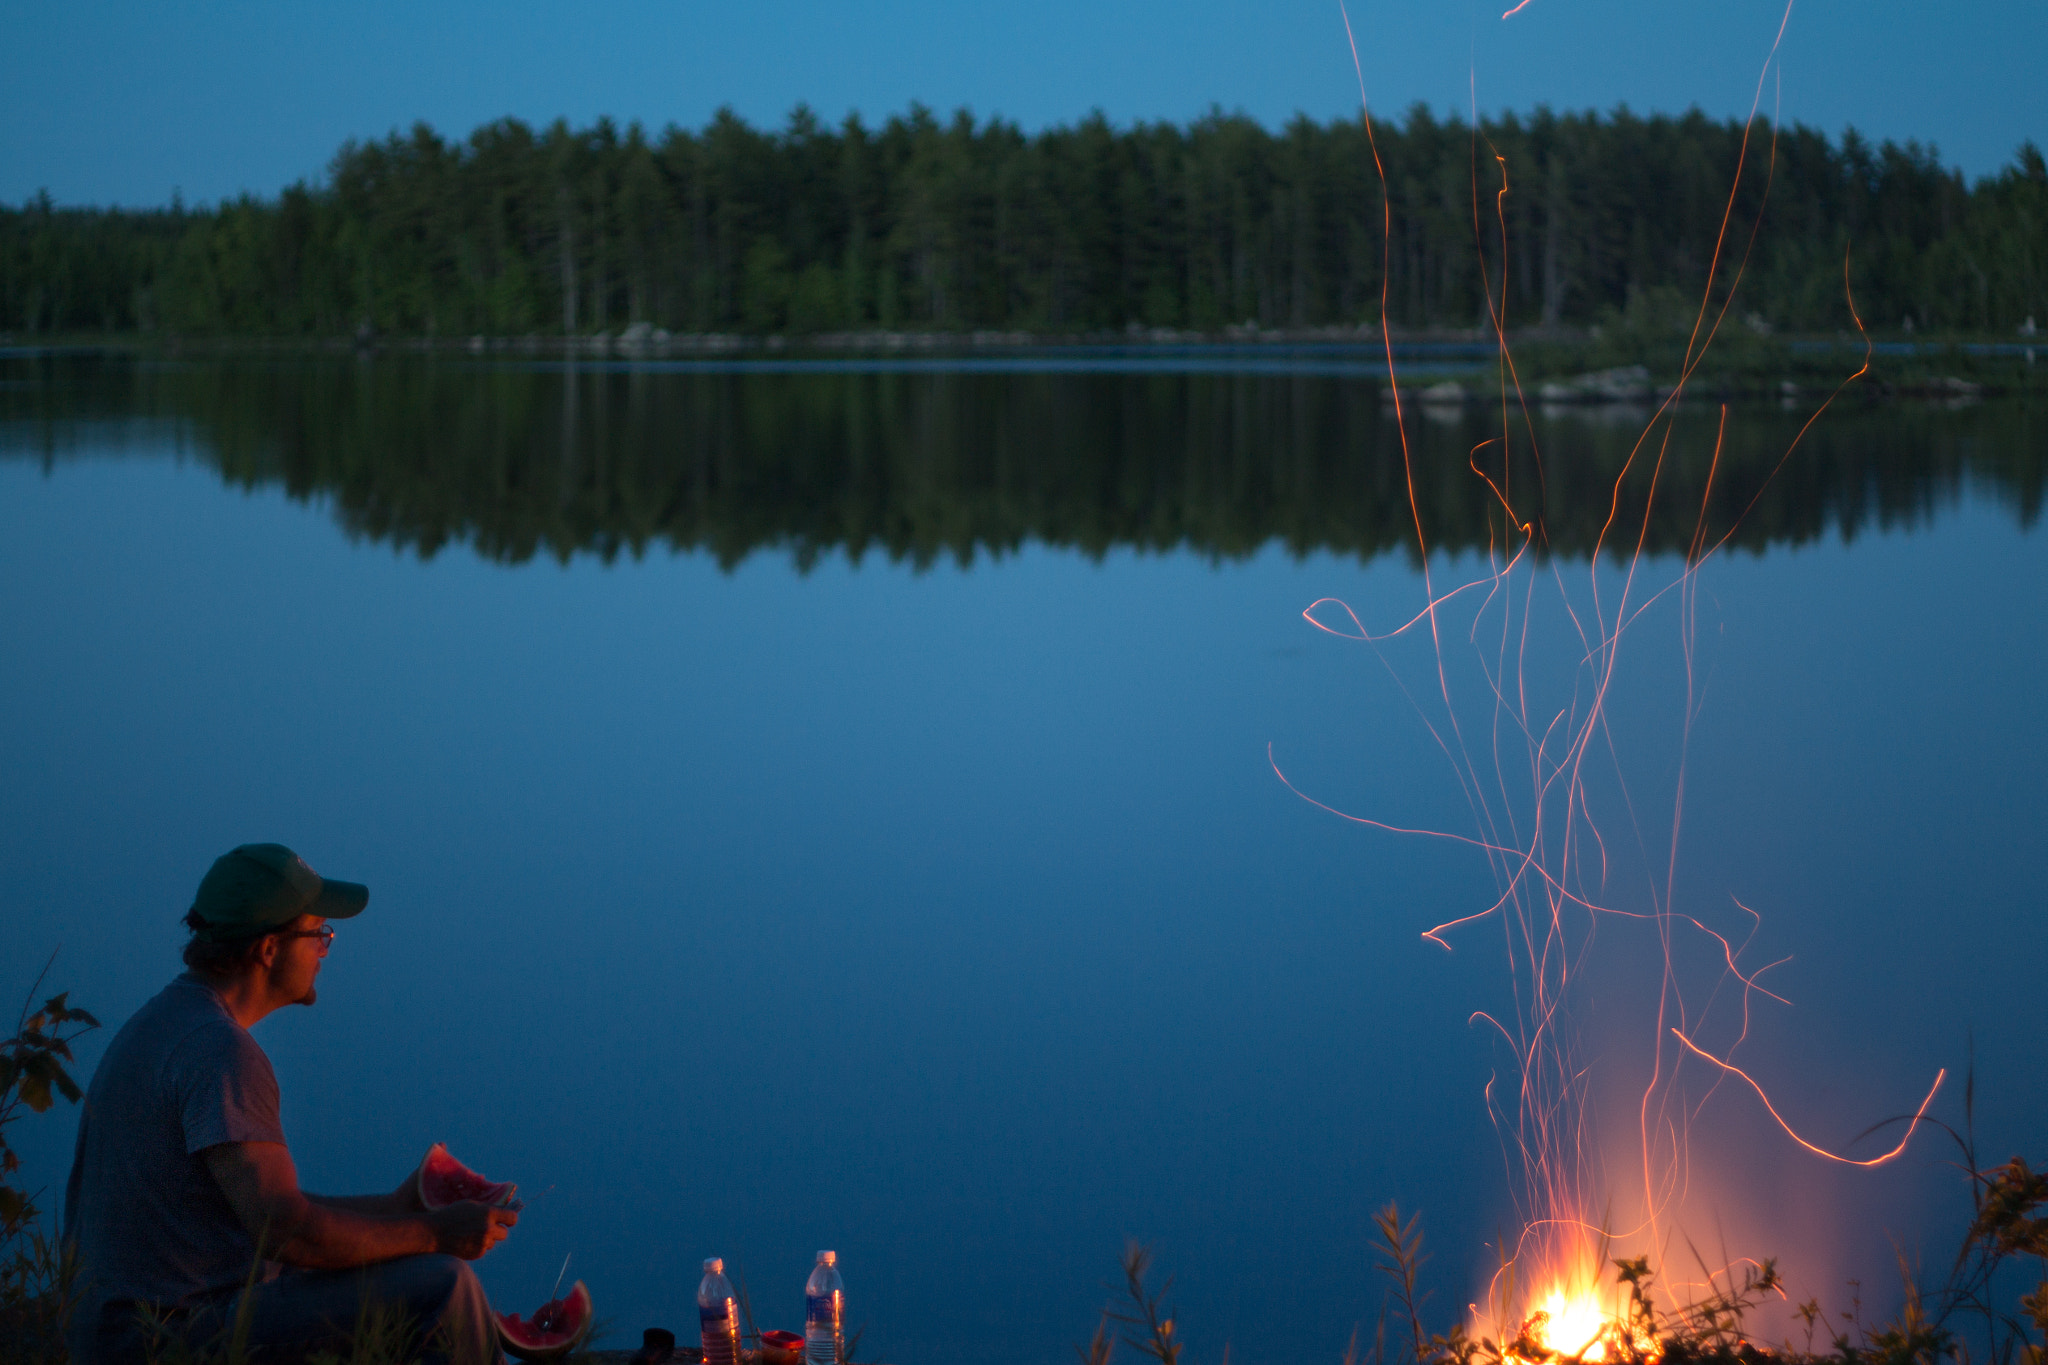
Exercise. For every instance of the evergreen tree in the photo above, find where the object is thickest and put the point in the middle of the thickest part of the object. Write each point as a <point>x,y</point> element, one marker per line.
<point>1556,219</point>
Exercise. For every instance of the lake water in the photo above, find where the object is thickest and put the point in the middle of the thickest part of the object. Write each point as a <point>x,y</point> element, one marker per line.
<point>833,807</point>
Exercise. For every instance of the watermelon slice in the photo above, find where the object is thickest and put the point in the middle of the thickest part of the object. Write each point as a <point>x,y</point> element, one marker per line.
<point>443,1181</point>
<point>558,1327</point>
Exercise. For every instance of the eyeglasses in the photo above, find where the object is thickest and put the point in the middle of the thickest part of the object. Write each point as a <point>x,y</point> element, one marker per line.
<point>325,933</point>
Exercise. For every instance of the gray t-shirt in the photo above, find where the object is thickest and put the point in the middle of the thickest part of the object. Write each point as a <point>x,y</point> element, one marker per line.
<point>146,1215</point>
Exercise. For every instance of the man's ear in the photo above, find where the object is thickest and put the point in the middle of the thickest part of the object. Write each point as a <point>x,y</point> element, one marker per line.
<point>266,951</point>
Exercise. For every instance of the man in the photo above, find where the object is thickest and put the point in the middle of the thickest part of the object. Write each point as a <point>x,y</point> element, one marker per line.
<point>183,1205</point>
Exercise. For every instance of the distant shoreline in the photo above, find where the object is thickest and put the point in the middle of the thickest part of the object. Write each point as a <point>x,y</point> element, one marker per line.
<point>1742,367</point>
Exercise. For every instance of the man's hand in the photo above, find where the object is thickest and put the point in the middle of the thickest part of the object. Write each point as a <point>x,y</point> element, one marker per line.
<point>469,1229</point>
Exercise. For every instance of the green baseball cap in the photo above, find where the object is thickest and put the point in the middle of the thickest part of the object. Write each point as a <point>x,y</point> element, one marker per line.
<point>257,888</point>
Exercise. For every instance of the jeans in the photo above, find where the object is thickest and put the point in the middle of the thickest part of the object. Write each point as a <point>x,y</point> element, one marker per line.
<point>437,1297</point>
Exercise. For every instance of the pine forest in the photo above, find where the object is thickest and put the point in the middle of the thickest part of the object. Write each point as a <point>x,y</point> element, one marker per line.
<point>958,225</point>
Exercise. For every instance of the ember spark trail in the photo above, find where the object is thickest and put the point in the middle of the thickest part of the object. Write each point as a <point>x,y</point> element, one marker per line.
<point>1511,671</point>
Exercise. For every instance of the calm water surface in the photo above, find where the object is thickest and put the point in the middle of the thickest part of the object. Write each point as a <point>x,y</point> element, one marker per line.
<point>834,809</point>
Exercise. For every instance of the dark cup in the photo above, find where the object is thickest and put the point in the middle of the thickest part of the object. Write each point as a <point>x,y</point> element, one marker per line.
<point>657,1347</point>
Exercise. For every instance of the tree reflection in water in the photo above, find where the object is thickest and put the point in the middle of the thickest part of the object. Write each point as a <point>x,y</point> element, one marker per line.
<point>518,461</point>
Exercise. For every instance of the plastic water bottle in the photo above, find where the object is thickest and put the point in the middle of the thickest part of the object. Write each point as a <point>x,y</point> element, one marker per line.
<point>824,1312</point>
<point>718,1313</point>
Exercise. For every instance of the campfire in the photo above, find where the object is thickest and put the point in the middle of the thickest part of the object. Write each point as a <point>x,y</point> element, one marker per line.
<point>1574,1324</point>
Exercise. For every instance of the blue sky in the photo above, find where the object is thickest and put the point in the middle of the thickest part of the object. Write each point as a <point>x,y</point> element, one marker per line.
<point>116,101</point>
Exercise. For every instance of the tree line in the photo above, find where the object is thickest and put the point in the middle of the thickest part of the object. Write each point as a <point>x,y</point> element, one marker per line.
<point>959,224</point>
<point>562,460</point>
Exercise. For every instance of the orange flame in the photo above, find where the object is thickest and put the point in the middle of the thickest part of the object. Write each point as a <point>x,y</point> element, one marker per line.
<point>1573,1324</point>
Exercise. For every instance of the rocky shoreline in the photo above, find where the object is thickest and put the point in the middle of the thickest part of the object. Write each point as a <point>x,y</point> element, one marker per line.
<point>1632,386</point>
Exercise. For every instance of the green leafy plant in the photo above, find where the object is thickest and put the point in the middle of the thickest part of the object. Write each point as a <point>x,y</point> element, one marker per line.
<point>1148,1314</point>
<point>36,1273</point>
<point>1401,1258</point>
<point>2011,1223</point>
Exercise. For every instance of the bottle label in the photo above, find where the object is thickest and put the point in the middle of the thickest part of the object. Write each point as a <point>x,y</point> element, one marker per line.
<point>717,1317</point>
<point>823,1309</point>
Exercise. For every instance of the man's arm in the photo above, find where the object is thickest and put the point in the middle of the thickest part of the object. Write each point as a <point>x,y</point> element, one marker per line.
<point>405,1199</point>
<point>376,1205</point>
<point>262,1186</point>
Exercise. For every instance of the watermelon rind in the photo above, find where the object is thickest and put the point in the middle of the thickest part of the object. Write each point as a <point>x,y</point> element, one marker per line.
<point>522,1342</point>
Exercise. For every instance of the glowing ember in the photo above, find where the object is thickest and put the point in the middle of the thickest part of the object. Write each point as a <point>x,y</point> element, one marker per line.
<point>1572,1327</point>
<point>1575,1325</point>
